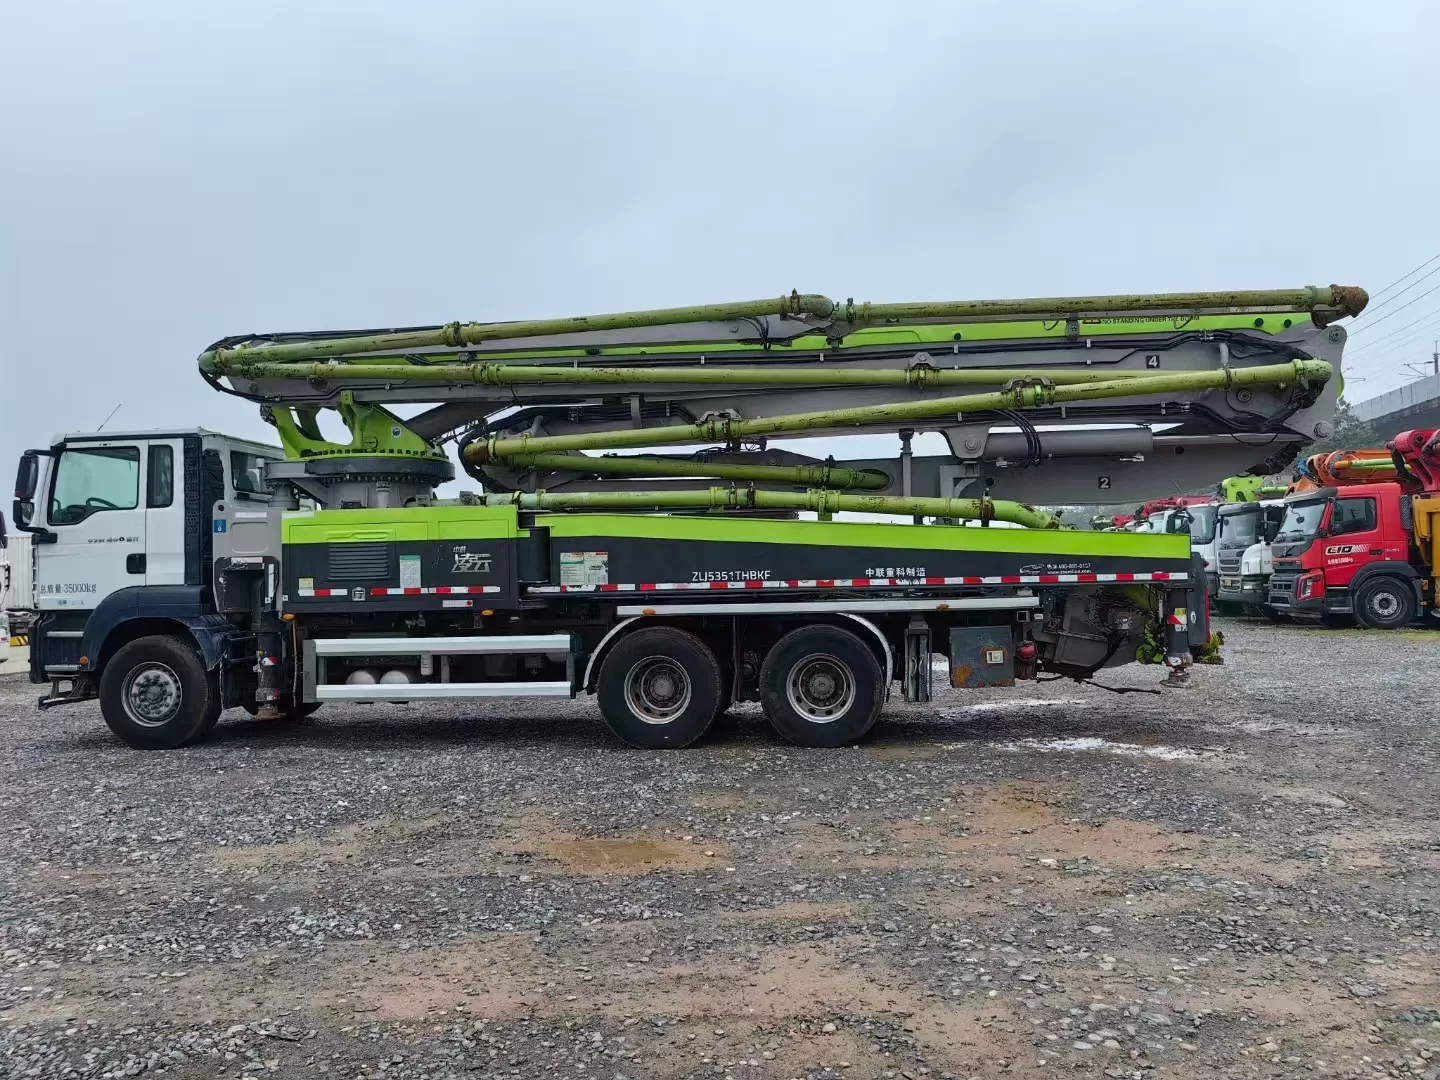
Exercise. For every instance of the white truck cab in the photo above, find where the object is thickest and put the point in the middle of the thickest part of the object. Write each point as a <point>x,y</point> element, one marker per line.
<point>113,513</point>
<point>108,511</point>
<point>1199,521</point>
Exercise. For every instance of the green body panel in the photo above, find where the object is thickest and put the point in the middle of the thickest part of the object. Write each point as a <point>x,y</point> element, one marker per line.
<point>447,522</point>
<point>460,522</point>
<point>900,536</point>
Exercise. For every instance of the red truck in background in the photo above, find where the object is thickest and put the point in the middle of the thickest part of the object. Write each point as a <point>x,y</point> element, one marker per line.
<point>1365,549</point>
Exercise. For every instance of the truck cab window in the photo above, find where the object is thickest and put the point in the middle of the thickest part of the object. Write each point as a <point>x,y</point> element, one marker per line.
<point>90,481</point>
<point>247,474</point>
<point>160,481</point>
<point>1352,516</point>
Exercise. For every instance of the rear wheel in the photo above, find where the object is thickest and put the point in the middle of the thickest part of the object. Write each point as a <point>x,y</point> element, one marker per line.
<point>1385,603</point>
<point>659,688</point>
<point>155,694</point>
<point>821,686</point>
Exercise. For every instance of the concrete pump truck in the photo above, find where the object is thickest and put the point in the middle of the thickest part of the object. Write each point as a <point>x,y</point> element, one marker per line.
<point>181,572</point>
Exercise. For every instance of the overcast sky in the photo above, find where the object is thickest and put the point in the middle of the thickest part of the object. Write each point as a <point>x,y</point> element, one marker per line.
<point>171,173</point>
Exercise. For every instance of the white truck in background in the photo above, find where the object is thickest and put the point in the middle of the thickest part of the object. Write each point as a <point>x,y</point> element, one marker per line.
<point>17,591</point>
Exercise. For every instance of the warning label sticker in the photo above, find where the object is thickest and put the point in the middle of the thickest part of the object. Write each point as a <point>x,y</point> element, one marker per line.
<point>584,568</point>
<point>410,571</point>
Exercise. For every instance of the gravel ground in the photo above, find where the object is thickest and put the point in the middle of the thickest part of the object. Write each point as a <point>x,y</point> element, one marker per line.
<point>1237,880</point>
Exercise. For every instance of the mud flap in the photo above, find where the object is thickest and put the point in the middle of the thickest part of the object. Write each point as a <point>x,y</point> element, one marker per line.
<point>1198,606</point>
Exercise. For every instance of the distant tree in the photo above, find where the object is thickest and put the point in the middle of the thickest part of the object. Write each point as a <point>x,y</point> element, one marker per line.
<point>1351,433</point>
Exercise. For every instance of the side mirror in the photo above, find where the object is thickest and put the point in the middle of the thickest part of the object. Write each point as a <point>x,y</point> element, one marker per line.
<point>27,478</point>
<point>1271,530</point>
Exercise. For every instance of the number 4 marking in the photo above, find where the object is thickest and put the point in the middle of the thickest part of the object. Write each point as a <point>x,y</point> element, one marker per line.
<point>1152,360</point>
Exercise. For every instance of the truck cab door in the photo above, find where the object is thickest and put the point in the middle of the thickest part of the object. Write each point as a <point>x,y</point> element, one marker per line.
<point>1353,538</point>
<point>164,512</point>
<point>95,507</point>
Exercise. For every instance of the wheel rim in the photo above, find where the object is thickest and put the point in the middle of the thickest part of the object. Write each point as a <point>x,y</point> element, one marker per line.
<point>657,689</point>
<point>1384,605</point>
<point>821,688</point>
<point>152,695</point>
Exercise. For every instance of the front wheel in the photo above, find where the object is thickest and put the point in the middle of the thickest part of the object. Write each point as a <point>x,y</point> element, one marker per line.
<point>821,686</point>
<point>1385,603</point>
<point>155,694</point>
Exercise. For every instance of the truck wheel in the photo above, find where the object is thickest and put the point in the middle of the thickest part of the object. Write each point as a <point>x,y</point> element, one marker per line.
<point>1385,603</point>
<point>659,688</point>
<point>821,686</point>
<point>155,694</point>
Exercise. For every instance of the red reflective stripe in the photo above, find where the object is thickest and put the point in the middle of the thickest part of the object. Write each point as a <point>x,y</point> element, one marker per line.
<point>1049,579</point>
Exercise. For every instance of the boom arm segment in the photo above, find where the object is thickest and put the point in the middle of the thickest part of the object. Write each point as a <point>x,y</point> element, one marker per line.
<point>1125,396</point>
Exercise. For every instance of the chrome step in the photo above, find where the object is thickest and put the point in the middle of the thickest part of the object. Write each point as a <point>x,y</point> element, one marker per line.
<point>430,691</point>
<point>441,646</point>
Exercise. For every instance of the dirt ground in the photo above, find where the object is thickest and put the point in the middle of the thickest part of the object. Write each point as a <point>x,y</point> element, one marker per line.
<point>1237,880</point>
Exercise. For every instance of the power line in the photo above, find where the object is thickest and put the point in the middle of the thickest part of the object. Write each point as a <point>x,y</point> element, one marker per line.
<point>1389,334</point>
<point>1402,348</point>
<point>1397,281</point>
<point>1400,359</point>
<point>1371,311</point>
<point>1397,310</point>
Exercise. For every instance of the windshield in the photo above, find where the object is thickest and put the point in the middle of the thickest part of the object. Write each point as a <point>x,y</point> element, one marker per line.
<point>1201,521</point>
<point>1302,519</point>
<point>1240,530</point>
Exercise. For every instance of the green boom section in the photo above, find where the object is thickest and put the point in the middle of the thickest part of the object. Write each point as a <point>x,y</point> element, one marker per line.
<point>811,312</point>
<point>835,477</point>
<point>816,500</point>
<point>1303,372</point>
<point>419,365</point>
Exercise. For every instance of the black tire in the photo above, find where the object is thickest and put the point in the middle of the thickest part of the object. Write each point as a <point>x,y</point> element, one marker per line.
<point>659,688</point>
<point>291,713</point>
<point>821,686</point>
<point>155,694</point>
<point>1385,603</point>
